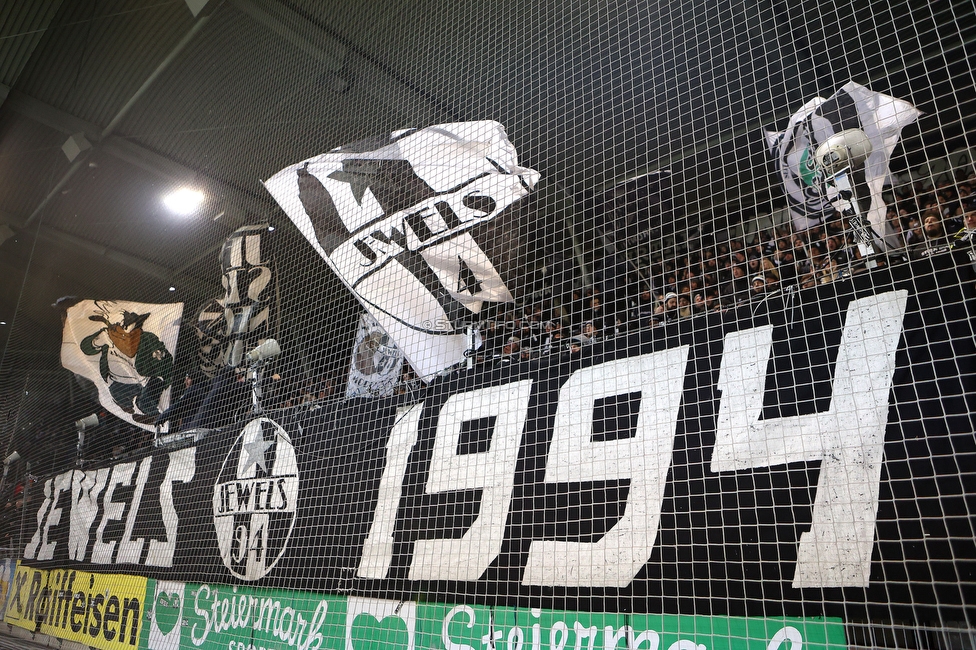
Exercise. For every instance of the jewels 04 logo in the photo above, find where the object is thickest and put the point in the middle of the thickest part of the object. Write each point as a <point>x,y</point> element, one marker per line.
<point>254,499</point>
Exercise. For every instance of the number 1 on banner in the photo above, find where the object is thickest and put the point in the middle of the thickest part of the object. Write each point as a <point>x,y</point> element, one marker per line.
<point>848,438</point>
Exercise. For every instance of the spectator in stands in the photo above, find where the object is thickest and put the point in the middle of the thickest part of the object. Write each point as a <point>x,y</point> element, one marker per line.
<point>668,309</point>
<point>758,287</point>
<point>837,251</point>
<point>967,197</point>
<point>588,336</point>
<point>227,400</point>
<point>510,352</point>
<point>965,237</point>
<point>594,313</point>
<point>755,263</point>
<point>785,265</point>
<point>550,339</point>
<point>590,333</point>
<point>491,336</point>
<point>914,233</point>
<point>968,229</point>
<point>196,386</point>
<point>737,288</point>
<point>935,240</point>
<point>894,222</point>
<point>409,384</point>
<point>643,310</point>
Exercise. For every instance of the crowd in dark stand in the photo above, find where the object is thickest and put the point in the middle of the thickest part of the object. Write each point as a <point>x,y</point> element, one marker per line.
<point>212,403</point>
<point>11,520</point>
<point>715,276</point>
<point>709,276</point>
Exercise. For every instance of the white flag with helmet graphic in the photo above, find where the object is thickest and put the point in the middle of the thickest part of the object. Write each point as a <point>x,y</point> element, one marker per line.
<point>405,219</point>
<point>879,116</point>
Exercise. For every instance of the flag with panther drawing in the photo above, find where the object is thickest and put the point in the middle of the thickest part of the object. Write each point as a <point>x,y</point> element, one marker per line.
<point>126,349</point>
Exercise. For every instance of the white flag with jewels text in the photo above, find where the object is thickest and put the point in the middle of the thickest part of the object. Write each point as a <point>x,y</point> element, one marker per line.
<point>404,220</point>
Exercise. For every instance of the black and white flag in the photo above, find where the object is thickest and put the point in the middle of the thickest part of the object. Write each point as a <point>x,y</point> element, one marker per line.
<point>409,221</point>
<point>231,325</point>
<point>376,362</point>
<point>880,116</point>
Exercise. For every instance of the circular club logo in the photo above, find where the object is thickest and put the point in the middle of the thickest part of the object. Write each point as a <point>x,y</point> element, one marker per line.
<point>797,163</point>
<point>254,499</point>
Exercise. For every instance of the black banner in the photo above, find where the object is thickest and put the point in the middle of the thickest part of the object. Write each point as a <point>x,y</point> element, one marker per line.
<point>812,454</point>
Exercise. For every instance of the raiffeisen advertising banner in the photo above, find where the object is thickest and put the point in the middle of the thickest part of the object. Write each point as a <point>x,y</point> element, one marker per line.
<point>796,440</point>
<point>27,601</point>
<point>98,610</point>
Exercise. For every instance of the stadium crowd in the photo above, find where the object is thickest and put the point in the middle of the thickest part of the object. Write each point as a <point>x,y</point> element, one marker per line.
<point>712,275</point>
<point>721,275</point>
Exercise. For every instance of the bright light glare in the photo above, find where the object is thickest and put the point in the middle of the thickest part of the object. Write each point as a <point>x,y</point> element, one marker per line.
<point>183,201</point>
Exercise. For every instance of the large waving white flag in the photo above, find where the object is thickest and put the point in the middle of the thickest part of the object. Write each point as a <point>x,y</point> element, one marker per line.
<point>126,349</point>
<point>405,221</point>
<point>880,116</point>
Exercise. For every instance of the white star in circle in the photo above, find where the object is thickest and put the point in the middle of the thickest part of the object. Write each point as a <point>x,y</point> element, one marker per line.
<point>255,453</point>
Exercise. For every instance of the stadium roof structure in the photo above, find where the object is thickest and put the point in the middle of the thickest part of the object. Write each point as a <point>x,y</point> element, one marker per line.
<point>106,107</point>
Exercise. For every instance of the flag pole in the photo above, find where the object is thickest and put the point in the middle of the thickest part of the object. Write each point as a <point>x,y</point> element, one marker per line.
<point>836,159</point>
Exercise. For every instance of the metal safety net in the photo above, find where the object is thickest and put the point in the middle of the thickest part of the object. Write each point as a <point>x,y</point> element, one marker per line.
<point>435,325</point>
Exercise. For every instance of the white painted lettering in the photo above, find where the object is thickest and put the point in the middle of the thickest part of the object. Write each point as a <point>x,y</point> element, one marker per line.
<point>111,511</point>
<point>85,490</point>
<point>62,483</point>
<point>31,549</point>
<point>493,471</point>
<point>131,549</point>
<point>848,438</point>
<point>181,468</point>
<point>378,548</point>
<point>643,458</point>
<point>446,637</point>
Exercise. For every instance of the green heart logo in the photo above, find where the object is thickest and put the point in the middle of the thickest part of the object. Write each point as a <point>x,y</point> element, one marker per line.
<point>168,612</point>
<point>370,634</point>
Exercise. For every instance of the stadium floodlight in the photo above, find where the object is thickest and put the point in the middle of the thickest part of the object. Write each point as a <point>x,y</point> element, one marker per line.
<point>184,201</point>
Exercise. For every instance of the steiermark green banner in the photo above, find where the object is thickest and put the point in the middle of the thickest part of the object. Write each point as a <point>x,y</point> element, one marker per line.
<point>208,617</point>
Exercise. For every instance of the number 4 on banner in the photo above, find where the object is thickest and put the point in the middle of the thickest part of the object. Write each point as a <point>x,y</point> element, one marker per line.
<point>848,438</point>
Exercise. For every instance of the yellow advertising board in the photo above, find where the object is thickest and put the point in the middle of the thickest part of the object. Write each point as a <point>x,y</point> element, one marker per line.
<point>28,597</point>
<point>98,610</point>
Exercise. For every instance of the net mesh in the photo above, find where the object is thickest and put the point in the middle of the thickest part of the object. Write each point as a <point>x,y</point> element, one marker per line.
<point>440,325</point>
